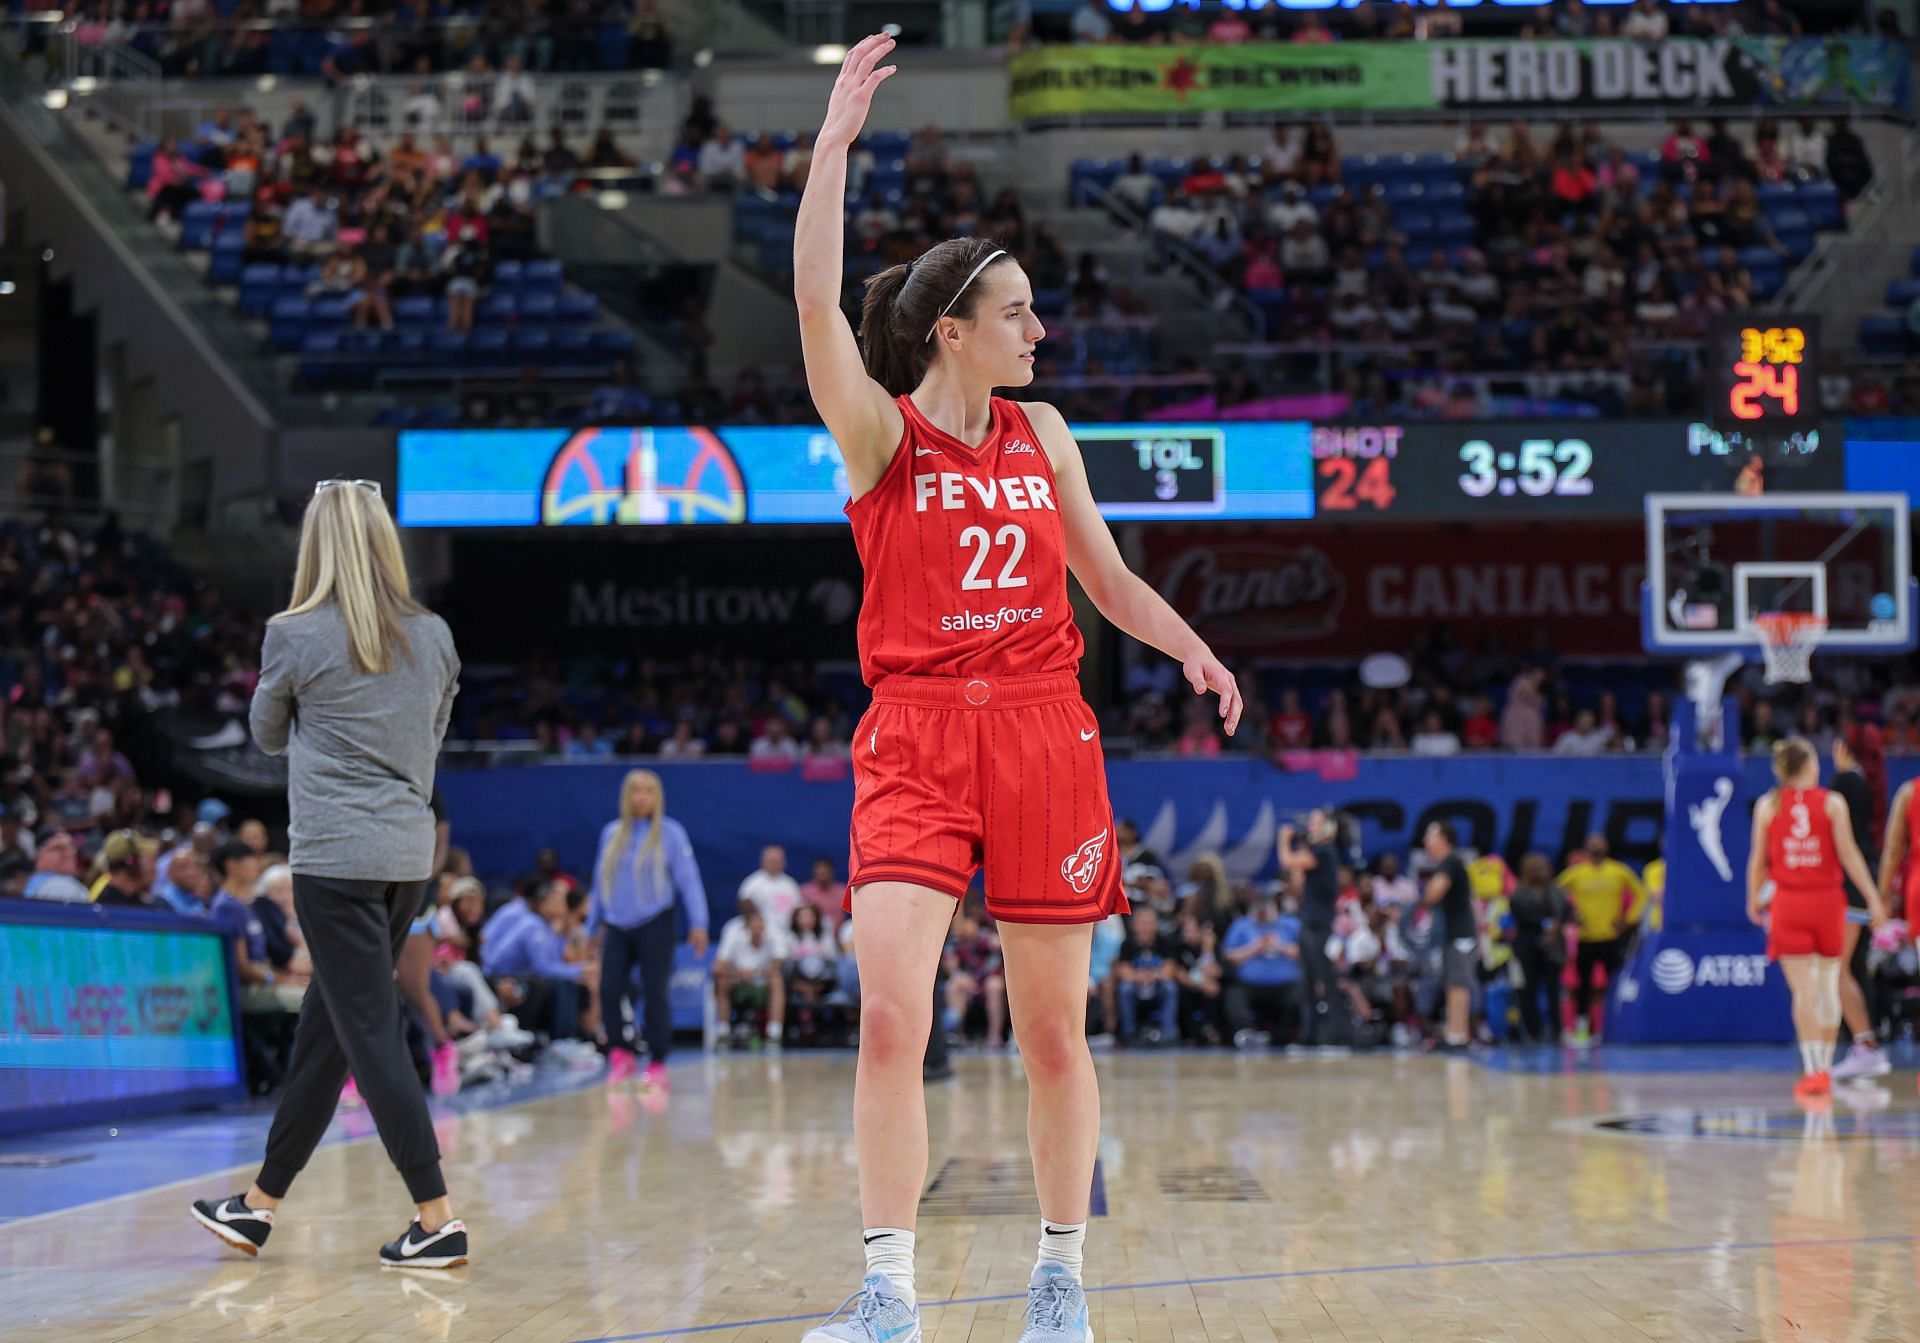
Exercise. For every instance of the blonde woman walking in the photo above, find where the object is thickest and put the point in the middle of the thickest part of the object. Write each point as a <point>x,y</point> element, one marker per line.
<point>645,868</point>
<point>357,681</point>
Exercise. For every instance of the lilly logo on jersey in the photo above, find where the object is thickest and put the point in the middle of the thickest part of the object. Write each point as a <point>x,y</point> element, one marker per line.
<point>1083,864</point>
<point>1018,445</point>
<point>1015,493</point>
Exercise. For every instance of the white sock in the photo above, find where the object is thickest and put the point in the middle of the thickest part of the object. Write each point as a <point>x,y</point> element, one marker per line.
<point>1823,1056</point>
<point>1807,1064</point>
<point>1063,1244</point>
<point>1865,1040</point>
<point>890,1251</point>
<point>774,1031</point>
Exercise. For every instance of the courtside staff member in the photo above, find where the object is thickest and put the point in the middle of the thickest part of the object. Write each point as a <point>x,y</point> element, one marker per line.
<point>357,681</point>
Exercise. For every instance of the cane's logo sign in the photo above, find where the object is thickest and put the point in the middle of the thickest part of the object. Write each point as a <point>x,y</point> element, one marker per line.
<point>1250,594</point>
<point>1083,864</point>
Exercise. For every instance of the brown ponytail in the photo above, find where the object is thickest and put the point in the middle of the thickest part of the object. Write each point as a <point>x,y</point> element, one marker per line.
<point>903,302</point>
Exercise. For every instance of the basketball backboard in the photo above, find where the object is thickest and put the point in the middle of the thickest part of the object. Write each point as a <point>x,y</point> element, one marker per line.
<point>1716,561</point>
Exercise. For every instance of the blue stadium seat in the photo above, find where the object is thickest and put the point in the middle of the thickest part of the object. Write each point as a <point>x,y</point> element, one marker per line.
<point>506,277</point>
<point>225,265</point>
<point>1170,171</point>
<point>883,143</point>
<point>1797,241</point>
<point>532,347</point>
<point>196,225</point>
<point>408,342</point>
<point>544,275</point>
<point>579,309</point>
<point>331,312</point>
<point>415,310</point>
<point>288,322</point>
<point>496,309</point>
<point>258,286</point>
<point>1756,256</point>
<point>1415,221</point>
<point>613,343</point>
<point>140,165</point>
<point>488,346</point>
<point>1769,277</point>
<point>539,309</point>
<point>571,345</point>
<point>319,351</point>
<point>1439,193</point>
<point>1776,193</point>
<point>1790,218</point>
<point>1050,302</point>
<point>1822,204</point>
<point>1902,293</point>
<point>1883,335</point>
<point>446,347</point>
<point>1321,197</point>
<point>611,46</point>
<point>1402,189</point>
<point>1453,228</point>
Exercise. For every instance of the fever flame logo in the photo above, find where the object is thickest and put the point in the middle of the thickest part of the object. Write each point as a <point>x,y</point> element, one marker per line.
<point>1083,864</point>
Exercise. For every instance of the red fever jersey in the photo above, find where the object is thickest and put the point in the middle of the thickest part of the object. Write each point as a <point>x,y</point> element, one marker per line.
<point>1809,903</point>
<point>965,557</point>
<point>978,753</point>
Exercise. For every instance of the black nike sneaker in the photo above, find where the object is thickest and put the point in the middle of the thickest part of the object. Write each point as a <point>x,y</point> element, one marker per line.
<point>445,1248</point>
<point>244,1228</point>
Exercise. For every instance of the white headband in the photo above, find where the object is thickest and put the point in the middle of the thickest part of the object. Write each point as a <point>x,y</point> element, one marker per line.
<point>971,277</point>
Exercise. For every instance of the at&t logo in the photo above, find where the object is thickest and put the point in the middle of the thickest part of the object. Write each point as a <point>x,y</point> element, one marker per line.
<point>1673,971</point>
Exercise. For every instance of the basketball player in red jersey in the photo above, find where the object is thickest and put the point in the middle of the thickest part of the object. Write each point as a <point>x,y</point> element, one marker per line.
<point>1803,843</point>
<point>978,751</point>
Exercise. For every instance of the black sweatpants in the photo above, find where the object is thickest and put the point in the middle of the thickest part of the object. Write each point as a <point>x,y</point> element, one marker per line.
<point>1543,979</point>
<point>1609,955</point>
<point>350,1022</point>
<point>1317,984</point>
<point>649,946</point>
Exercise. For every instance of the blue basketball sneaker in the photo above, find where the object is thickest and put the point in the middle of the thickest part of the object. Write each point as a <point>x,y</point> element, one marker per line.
<point>1056,1308</point>
<point>879,1315</point>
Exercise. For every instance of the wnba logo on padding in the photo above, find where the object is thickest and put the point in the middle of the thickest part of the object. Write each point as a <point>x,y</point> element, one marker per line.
<point>1672,971</point>
<point>1083,864</point>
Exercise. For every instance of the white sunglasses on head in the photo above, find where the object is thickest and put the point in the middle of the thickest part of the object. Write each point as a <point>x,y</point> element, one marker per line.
<point>319,486</point>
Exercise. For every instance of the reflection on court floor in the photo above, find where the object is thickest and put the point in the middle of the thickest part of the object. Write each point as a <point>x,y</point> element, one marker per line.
<point>1379,1198</point>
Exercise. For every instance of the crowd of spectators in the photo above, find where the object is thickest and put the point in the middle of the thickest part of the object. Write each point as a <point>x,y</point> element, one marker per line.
<point>1581,261</point>
<point>420,220</point>
<point>341,39</point>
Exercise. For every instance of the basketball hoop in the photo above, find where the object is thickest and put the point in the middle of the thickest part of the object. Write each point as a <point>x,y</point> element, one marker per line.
<point>1788,638</point>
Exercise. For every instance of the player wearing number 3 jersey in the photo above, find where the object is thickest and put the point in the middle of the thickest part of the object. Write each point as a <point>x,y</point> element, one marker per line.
<point>978,753</point>
<point>1803,846</point>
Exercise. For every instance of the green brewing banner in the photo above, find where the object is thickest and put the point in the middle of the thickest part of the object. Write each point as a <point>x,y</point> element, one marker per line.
<point>1484,75</point>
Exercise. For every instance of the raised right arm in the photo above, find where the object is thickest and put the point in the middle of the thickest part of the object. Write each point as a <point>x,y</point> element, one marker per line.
<point>857,411</point>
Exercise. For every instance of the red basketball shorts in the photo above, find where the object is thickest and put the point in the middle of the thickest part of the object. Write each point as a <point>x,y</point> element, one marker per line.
<point>1807,923</point>
<point>953,775</point>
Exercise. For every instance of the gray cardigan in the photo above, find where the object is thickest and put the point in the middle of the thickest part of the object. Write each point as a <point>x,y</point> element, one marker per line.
<point>360,748</point>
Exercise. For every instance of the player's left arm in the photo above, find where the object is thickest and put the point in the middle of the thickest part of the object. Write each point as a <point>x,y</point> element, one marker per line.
<point>1121,595</point>
<point>1757,860</point>
<point>1852,861</point>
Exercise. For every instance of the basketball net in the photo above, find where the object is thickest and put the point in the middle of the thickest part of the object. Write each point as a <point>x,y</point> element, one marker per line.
<point>1788,638</point>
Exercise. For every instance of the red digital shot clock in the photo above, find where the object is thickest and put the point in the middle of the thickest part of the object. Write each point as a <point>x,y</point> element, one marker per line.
<point>1764,372</point>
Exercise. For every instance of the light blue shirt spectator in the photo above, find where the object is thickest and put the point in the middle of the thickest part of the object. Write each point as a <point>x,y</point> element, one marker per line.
<point>529,949</point>
<point>643,888</point>
<point>1268,968</point>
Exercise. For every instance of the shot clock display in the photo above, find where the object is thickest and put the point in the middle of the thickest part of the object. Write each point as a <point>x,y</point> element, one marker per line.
<point>1539,469</point>
<point>1764,372</point>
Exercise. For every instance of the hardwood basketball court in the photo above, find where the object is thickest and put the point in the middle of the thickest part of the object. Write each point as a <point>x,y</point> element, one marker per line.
<point>1523,1197</point>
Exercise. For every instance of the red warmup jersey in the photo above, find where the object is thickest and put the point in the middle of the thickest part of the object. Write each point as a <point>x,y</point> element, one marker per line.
<point>1800,855</point>
<point>964,556</point>
<point>1910,884</point>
